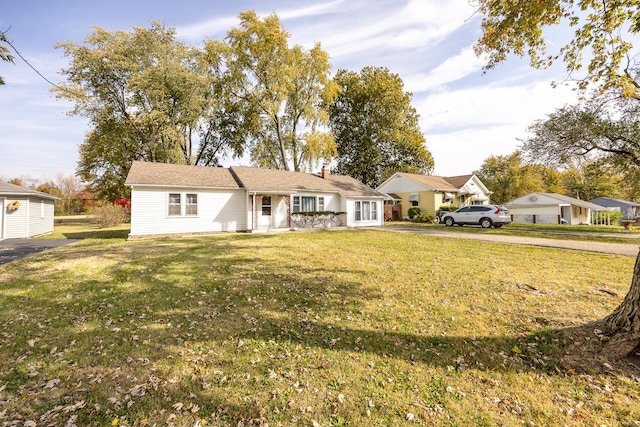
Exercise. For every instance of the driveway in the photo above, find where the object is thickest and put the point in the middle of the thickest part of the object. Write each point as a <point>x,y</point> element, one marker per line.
<point>13,249</point>
<point>606,248</point>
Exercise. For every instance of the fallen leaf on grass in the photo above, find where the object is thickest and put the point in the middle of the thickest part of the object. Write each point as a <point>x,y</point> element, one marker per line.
<point>138,390</point>
<point>52,383</point>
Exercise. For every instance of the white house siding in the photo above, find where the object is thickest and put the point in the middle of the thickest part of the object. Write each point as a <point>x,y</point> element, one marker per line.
<point>16,222</point>
<point>40,216</point>
<point>543,214</point>
<point>351,221</point>
<point>218,210</point>
<point>401,184</point>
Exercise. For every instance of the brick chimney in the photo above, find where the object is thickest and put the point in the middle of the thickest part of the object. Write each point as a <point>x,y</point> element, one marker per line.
<point>325,171</point>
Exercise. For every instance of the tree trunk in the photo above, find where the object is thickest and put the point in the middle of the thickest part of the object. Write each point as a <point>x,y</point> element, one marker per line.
<point>622,327</point>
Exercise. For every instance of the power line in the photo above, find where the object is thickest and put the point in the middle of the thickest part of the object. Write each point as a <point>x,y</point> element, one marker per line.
<point>29,64</point>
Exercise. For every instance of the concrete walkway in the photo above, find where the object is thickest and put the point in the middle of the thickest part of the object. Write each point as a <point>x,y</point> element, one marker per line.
<point>607,248</point>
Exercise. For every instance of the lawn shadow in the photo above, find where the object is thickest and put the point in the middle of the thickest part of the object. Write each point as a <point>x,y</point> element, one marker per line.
<point>189,303</point>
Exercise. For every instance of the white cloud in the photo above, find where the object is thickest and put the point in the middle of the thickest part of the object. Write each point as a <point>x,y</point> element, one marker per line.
<point>219,26</point>
<point>451,70</point>
<point>464,127</point>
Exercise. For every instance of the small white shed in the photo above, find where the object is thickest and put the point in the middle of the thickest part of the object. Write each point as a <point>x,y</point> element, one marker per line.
<point>551,208</point>
<point>24,212</point>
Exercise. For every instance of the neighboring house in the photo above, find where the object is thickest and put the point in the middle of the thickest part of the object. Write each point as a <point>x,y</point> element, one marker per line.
<point>24,212</point>
<point>552,208</point>
<point>629,210</point>
<point>180,199</point>
<point>430,193</point>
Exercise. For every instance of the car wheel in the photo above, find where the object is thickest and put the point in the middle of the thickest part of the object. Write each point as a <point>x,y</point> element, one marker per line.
<point>485,223</point>
<point>448,221</point>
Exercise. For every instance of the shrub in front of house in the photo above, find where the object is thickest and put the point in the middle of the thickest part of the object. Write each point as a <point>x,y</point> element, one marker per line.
<point>423,217</point>
<point>448,208</point>
<point>109,215</point>
<point>412,212</point>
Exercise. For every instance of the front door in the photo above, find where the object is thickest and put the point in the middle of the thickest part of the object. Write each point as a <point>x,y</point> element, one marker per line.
<point>264,220</point>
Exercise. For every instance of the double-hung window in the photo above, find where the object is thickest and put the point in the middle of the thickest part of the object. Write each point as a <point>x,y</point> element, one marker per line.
<point>192,205</point>
<point>175,204</point>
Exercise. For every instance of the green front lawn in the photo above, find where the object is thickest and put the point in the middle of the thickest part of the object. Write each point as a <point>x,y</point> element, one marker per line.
<point>329,328</point>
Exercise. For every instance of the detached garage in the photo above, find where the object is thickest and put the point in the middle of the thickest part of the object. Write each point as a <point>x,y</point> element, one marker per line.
<point>552,208</point>
<point>24,212</point>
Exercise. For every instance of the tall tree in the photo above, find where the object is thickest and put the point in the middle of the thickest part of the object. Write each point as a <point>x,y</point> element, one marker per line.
<point>600,128</point>
<point>145,95</point>
<point>70,188</point>
<point>274,94</point>
<point>376,127</point>
<point>601,26</point>
<point>593,179</point>
<point>4,52</point>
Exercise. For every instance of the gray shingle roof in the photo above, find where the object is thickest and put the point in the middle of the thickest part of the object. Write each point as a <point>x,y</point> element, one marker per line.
<point>251,179</point>
<point>170,175</point>
<point>7,189</point>
<point>458,181</point>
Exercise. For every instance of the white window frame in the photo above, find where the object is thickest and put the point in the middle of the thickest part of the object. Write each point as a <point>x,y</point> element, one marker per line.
<point>365,210</point>
<point>173,204</point>
<point>184,206</point>
<point>190,205</point>
<point>300,201</point>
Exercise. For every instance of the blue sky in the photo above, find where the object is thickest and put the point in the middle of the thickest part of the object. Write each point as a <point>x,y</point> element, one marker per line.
<point>466,116</point>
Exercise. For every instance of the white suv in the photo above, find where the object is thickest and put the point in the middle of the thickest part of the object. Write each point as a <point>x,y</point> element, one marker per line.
<point>483,215</point>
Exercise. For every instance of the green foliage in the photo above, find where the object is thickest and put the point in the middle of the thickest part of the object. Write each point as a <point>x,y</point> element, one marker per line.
<point>318,213</point>
<point>413,211</point>
<point>4,52</point>
<point>448,208</point>
<point>599,51</point>
<point>274,94</point>
<point>599,127</point>
<point>145,95</point>
<point>376,128</point>
<point>615,216</point>
<point>422,217</point>
<point>109,215</point>
<point>604,127</point>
